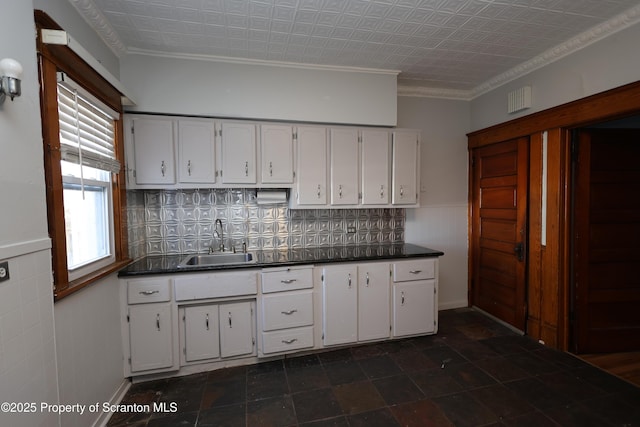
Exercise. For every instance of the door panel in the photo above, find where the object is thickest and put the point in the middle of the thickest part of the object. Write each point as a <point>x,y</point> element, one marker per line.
<point>606,241</point>
<point>499,214</point>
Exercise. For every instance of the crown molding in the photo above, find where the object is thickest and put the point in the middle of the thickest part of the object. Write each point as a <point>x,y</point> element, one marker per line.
<point>582,40</point>
<point>100,25</point>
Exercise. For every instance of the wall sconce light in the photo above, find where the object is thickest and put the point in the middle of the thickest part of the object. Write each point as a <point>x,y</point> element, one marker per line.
<point>10,72</point>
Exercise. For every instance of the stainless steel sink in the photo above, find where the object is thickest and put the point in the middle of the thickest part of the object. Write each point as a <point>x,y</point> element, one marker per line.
<point>203,260</point>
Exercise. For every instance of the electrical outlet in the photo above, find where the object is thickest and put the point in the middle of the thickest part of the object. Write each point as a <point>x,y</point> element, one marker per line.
<point>4,271</point>
<point>351,230</point>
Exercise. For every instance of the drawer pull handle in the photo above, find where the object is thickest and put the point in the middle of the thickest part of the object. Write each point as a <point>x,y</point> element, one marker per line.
<point>349,280</point>
<point>288,281</point>
<point>230,325</point>
<point>367,279</point>
<point>149,292</point>
<point>415,271</point>
<point>401,298</point>
<point>291,341</point>
<point>206,322</point>
<point>289,313</point>
<point>158,321</point>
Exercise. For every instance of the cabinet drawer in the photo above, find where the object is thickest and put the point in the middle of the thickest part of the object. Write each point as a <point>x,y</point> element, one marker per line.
<point>287,279</point>
<point>288,310</point>
<point>146,291</point>
<point>217,285</point>
<point>419,269</point>
<point>287,340</point>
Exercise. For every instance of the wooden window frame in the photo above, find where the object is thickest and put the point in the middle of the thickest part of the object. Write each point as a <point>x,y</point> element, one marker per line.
<point>51,60</point>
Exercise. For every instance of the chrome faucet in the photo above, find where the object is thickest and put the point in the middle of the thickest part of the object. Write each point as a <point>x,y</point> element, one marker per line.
<point>220,235</point>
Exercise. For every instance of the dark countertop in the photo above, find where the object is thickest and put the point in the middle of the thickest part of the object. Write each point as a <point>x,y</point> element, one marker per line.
<point>163,264</point>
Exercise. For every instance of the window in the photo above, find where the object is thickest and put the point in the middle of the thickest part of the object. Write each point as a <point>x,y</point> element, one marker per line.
<point>83,154</point>
<point>88,159</point>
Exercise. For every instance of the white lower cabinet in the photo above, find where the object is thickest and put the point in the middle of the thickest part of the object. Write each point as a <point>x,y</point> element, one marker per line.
<point>286,310</point>
<point>151,337</point>
<point>172,322</point>
<point>219,330</point>
<point>340,304</point>
<point>414,297</point>
<point>373,302</point>
<point>201,332</point>
<point>355,303</point>
<point>236,329</point>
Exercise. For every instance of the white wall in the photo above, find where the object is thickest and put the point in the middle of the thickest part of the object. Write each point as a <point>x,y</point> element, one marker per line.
<point>221,89</point>
<point>27,344</point>
<point>606,64</point>
<point>89,342</point>
<point>441,221</point>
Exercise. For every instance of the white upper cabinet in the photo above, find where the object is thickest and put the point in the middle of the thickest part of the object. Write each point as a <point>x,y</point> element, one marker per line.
<point>344,166</point>
<point>405,168</point>
<point>196,151</point>
<point>153,150</point>
<point>238,153</point>
<point>312,166</point>
<point>276,143</point>
<point>376,167</point>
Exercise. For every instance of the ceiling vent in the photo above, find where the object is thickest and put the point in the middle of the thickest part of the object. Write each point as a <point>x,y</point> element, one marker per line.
<point>519,99</point>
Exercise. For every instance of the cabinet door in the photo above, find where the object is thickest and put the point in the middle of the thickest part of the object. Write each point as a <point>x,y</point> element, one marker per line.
<point>340,304</point>
<point>344,167</point>
<point>196,151</point>
<point>202,339</point>
<point>312,166</point>
<point>238,153</point>
<point>150,337</point>
<point>236,329</point>
<point>376,155</point>
<point>406,154</point>
<point>374,291</point>
<point>153,150</point>
<point>277,154</point>
<point>413,307</point>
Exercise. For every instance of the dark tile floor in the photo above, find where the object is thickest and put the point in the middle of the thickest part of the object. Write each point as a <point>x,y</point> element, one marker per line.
<point>475,372</point>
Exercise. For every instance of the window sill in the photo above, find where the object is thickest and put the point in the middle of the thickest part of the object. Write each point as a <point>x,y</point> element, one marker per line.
<point>81,283</point>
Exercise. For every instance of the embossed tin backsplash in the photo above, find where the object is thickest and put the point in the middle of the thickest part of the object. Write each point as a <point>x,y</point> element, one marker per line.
<point>169,222</point>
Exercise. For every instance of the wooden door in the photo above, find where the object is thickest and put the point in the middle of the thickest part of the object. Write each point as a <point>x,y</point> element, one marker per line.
<point>499,232</point>
<point>606,241</point>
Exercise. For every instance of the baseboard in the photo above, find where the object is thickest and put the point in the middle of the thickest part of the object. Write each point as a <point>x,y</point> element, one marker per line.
<point>117,396</point>
<point>452,304</point>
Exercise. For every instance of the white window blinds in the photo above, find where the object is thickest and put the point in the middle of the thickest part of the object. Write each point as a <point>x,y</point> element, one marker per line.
<point>86,128</point>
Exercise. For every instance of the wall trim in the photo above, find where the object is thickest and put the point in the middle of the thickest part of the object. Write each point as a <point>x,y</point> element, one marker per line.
<point>24,248</point>
<point>116,398</point>
<point>449,305</point>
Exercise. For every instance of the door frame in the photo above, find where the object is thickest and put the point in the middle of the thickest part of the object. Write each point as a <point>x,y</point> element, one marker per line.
<point>552,266</point>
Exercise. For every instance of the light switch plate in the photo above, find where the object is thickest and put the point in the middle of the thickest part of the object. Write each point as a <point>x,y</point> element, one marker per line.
<point>4,271</point>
